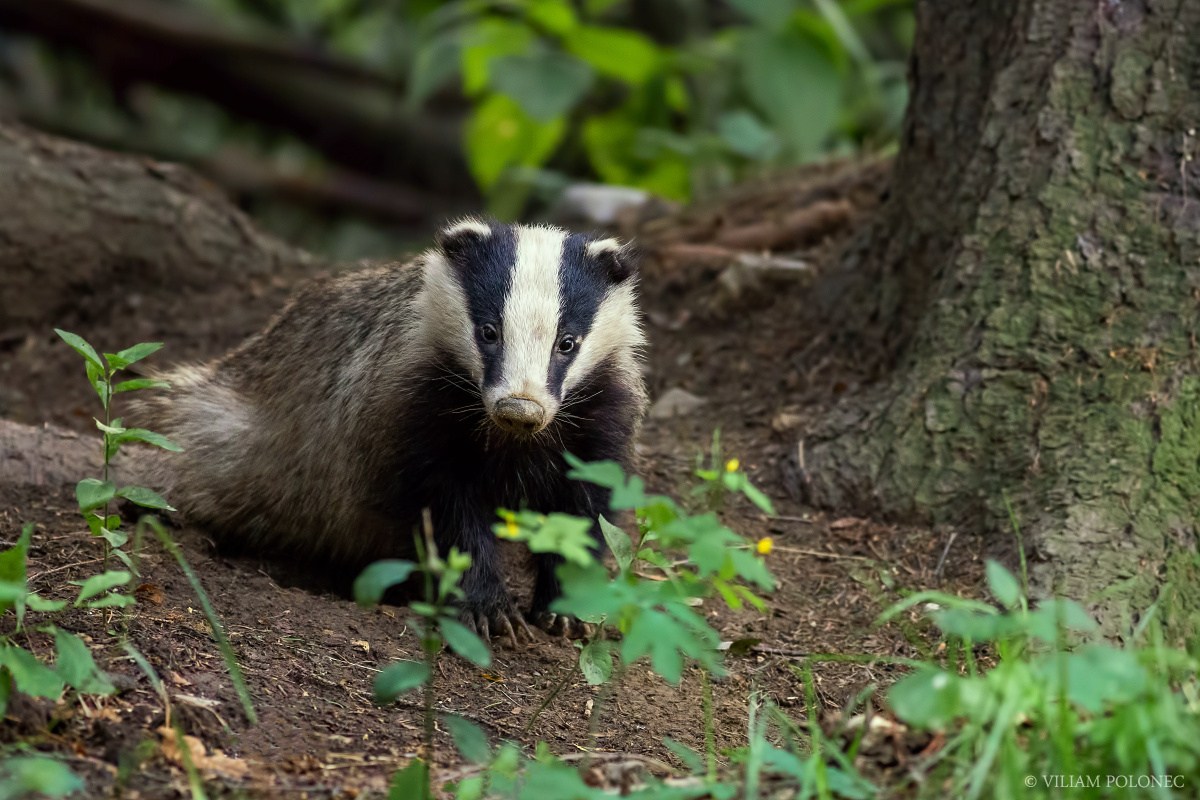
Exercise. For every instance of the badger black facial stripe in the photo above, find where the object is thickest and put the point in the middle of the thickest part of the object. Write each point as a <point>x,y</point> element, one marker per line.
<point>583,287</point>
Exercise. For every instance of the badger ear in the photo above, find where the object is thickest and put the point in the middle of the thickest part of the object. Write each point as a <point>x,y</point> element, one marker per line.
<point>618,260</point>
<point>458,236</point>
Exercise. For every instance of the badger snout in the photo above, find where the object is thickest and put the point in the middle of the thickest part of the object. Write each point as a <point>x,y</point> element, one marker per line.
<point>520,415</point>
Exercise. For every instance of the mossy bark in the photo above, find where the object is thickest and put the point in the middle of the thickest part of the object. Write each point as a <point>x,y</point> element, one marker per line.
<point>1037,271</point>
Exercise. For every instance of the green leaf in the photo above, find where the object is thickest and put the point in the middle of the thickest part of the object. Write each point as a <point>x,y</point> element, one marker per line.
<point>76,667</point>
<point>563,534</point>
<point>627,493</point>
<point>596,662</point>
<point>97,584</point>
<point>13,574</point>
<point>616,52</point>
<point>1056,615</point>
<point>436,62</point>
<point>411,783</point>
<point>113,429</point>
<point>26,776</point>
<point>1100,676</point>
<point>30,675</point>
<point>546,84</point>
<point>500,135</point>
<point>760,500</point>
<point>146,498</point>
<point>771,14</point>
<point>112,600</point>
<point>793,83</point>
<point>555,16</point>
<point>12,593</point>
<point>92,493</point>
<point>928,698</point>
<point>377,578</point>
<point>616,149</point>
<point>38,603</point>
<point>115,539</point>
<point>465,642</point>
<point>551,778</point>
<point>972,625</point>
<point>653,632</point>
<point>618,542</point>
<point>469,738</point>
<point>485,41</point>
<point>140,383</point>
<point>746,135</point>
<point>132,355</point>
<point>1003,585</point>
<point>149,437</point>
<point>79,345</point>
<point>398,678</point>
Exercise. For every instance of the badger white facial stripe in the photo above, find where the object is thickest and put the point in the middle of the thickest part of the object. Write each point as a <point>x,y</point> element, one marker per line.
<point>615,331</point>
<point>467,225</point>
<point>445,317</point>
<point>531,313</point>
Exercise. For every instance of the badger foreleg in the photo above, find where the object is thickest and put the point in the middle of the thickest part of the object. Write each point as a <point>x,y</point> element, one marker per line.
<point>589,501</point>
<point>488,608</point>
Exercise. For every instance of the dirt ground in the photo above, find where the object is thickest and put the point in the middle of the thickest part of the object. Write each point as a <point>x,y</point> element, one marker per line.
<point>759,359</point>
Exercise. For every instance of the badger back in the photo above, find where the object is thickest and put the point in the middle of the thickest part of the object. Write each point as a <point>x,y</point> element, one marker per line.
<point>532,316</point>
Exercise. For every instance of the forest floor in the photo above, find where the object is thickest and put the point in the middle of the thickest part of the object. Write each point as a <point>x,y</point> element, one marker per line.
<point>760,362</point>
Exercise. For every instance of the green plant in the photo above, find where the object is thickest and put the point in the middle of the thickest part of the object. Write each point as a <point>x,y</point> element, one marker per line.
<point>787,81</point>
<point>655,618</point>
<point>74,667</point>
<point>1059,708</point>
<point>437,626</point>
<point>96,495</point>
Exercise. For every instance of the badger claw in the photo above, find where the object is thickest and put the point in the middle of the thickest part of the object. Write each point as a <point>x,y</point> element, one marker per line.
<point>564,625</point>
<point>501,619</point>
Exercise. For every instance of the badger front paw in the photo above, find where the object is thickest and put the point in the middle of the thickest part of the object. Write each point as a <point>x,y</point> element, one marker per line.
<point>495,615</point>
<point>564,625</point>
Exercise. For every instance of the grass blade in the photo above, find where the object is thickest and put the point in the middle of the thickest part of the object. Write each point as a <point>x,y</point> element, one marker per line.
<point>235,671</point>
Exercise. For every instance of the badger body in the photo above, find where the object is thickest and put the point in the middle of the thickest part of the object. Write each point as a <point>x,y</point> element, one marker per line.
<point>454,383</point>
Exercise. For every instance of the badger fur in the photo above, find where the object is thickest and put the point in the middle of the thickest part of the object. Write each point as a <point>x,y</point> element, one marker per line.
<point>454,383</point>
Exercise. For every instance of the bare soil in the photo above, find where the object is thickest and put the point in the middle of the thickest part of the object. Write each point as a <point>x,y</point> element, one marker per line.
<point>764,356</point>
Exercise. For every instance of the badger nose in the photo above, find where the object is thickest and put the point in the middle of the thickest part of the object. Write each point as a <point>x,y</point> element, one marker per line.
<point>519,414</point>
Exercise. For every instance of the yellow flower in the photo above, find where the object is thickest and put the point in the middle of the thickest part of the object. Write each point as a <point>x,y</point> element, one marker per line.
<point>511,529</point>
<point>732,465</point>
<point>764,545</point>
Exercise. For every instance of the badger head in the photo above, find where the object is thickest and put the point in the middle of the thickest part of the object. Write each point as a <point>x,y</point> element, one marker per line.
<point>528,313</point>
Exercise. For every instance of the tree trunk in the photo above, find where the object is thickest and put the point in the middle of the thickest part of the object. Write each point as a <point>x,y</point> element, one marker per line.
<point>1039,258</point>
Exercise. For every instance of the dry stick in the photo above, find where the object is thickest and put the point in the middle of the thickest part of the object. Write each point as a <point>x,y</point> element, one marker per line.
<point>822,554</point>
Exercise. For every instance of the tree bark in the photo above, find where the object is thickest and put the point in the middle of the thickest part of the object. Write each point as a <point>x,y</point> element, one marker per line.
<point>1037,282</point>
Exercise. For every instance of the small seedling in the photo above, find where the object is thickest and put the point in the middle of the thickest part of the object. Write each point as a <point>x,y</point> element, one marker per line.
<point>437,625</point>
<point>96,495</point>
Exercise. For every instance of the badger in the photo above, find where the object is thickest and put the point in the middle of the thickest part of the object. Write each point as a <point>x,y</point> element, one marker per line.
<point>450,386</point>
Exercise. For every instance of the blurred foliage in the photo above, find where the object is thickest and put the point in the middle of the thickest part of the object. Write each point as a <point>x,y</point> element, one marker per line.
<point>678,99</point>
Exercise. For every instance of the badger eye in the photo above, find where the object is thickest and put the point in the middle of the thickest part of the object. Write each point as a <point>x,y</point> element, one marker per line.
<point>488,333</point>
<point>566,344</point>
